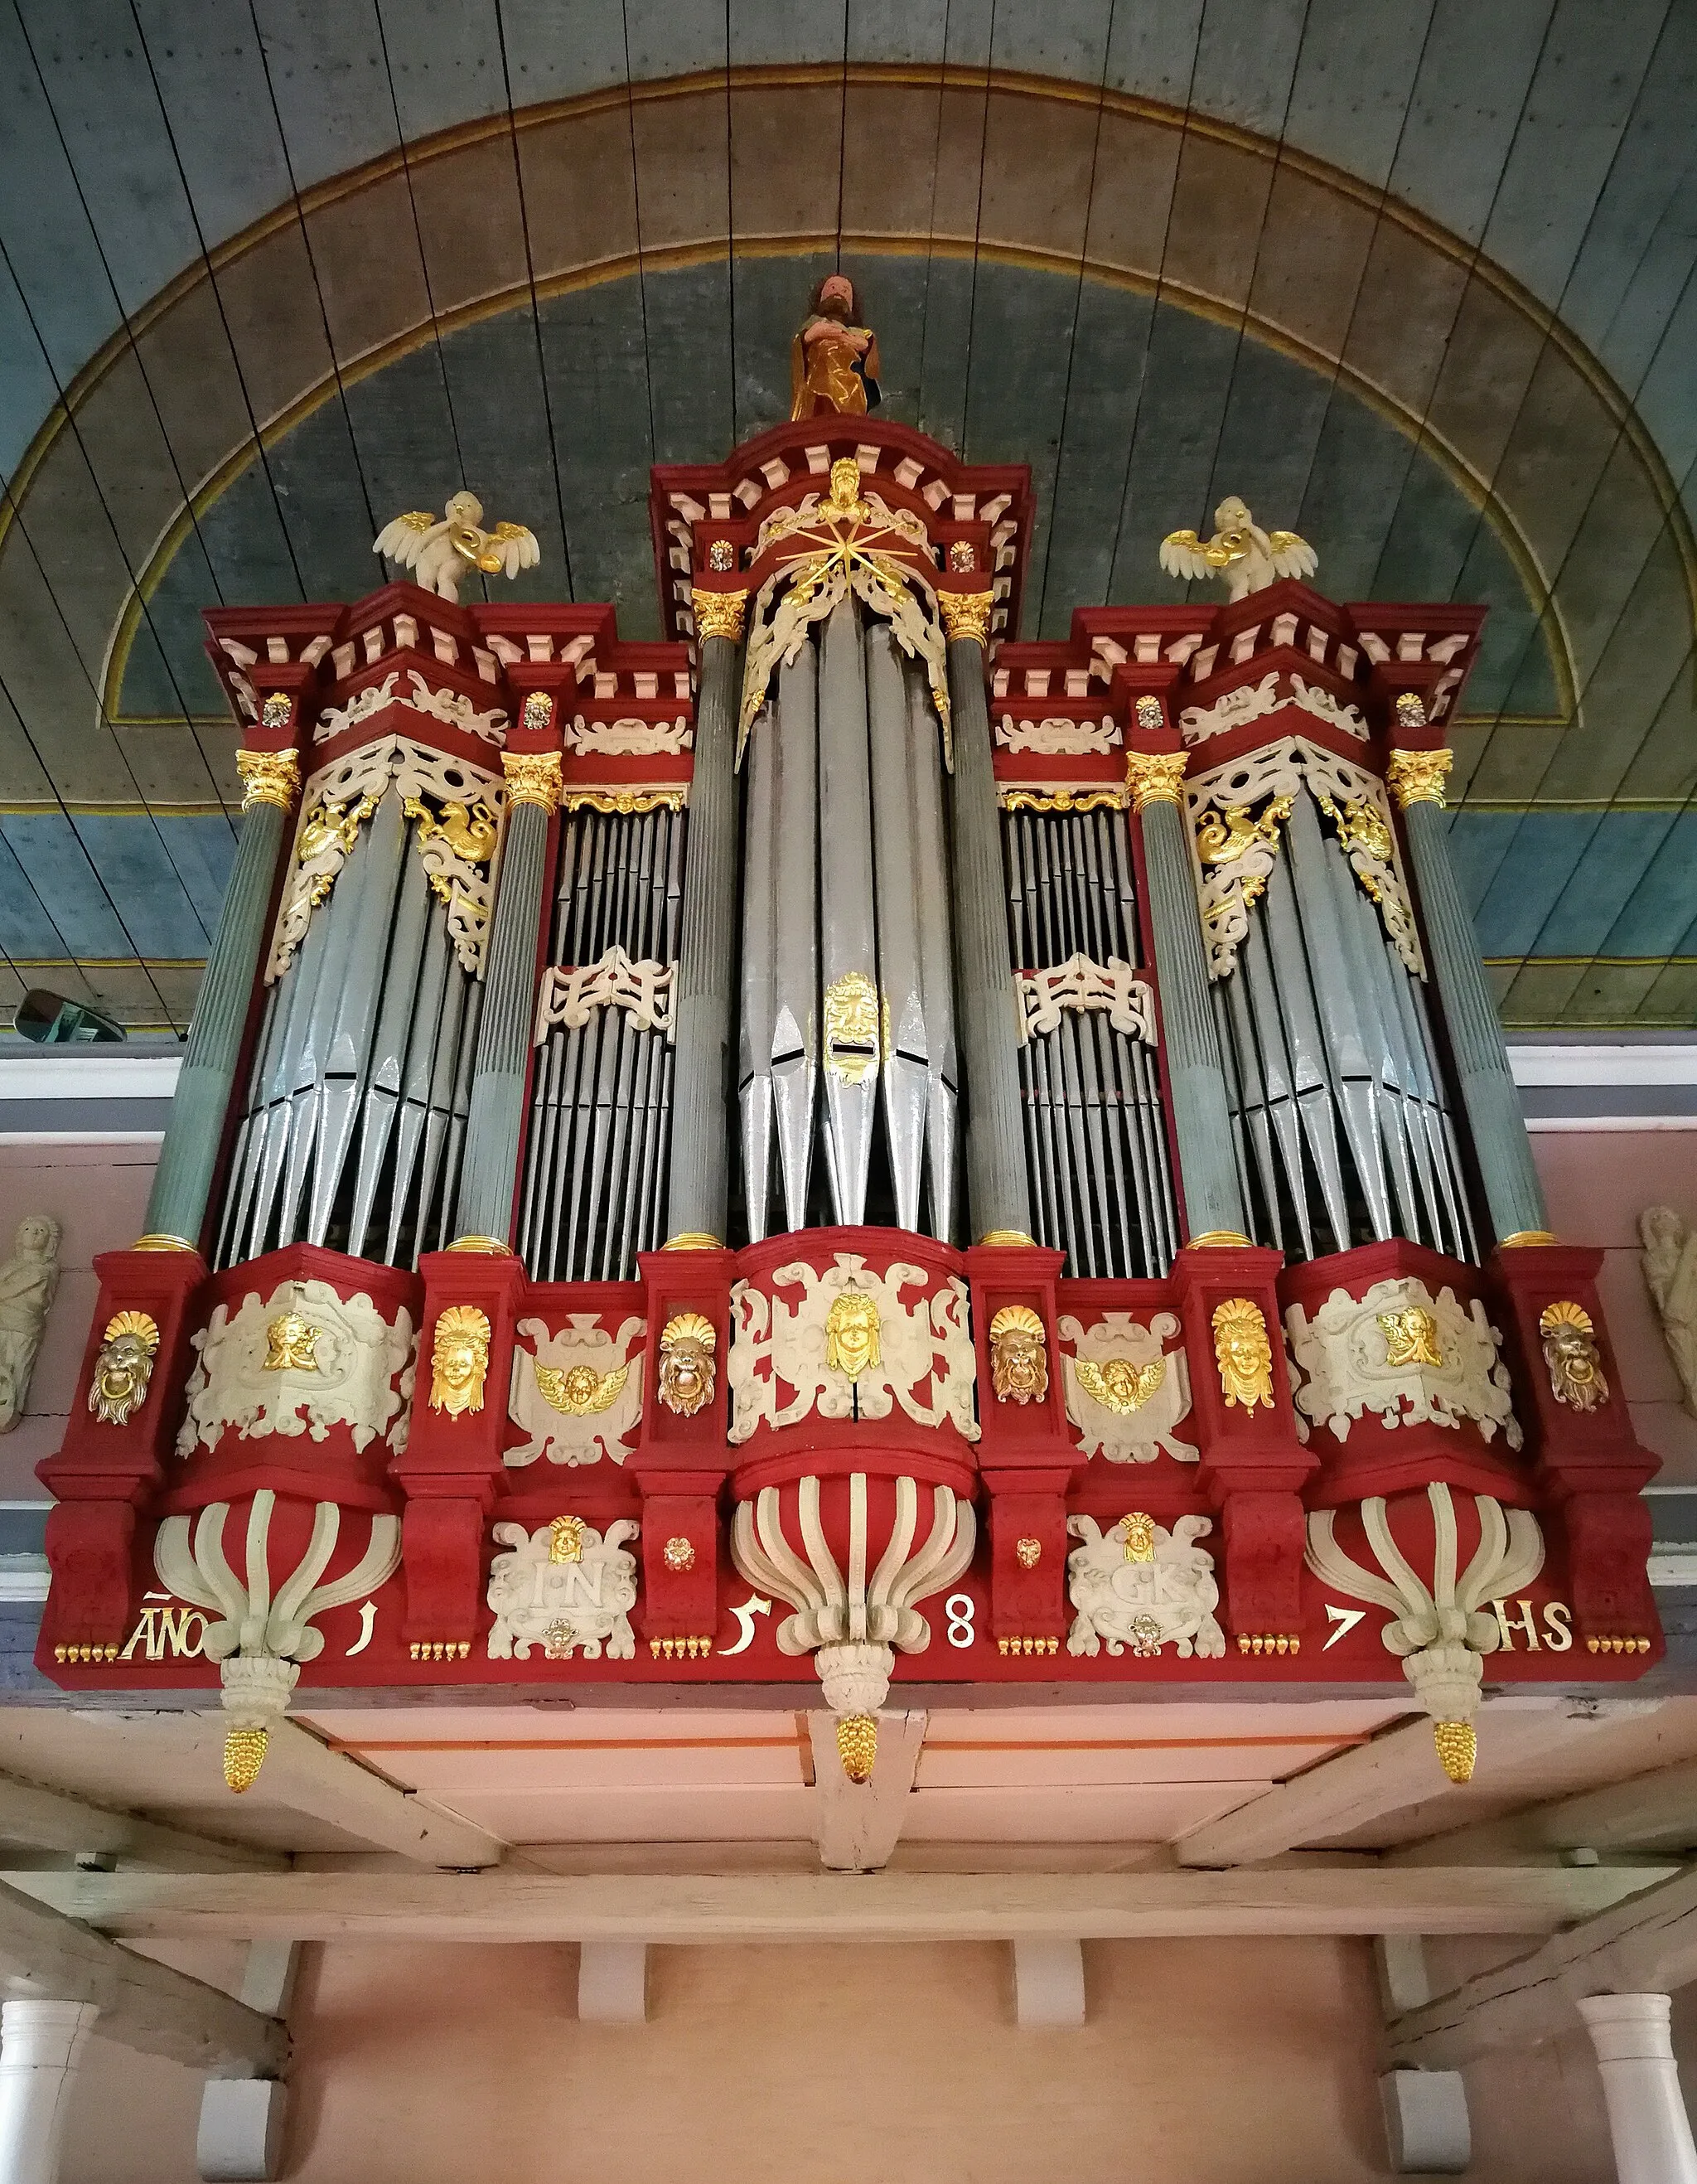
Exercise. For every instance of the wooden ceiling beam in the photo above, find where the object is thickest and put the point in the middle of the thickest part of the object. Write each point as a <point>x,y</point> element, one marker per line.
<point>1645,1944</point>
<point>46,1956</point>
<point>522,1905</point>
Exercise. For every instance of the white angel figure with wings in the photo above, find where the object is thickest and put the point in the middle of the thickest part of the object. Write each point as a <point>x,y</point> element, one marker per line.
<point>440,554</point>
<point>1248,557</point>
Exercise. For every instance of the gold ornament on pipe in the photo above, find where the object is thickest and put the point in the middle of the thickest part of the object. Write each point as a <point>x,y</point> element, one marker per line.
<point>1243,1353</point>
<point>458,1359</point>
<point>626,801</point>
<point>268,777</point>
<point>966,615</point>
<point>532,777</point>
<point>719,614</point>
<point>853,1044</point>
<point>1153,777</point>
<point>1416,776</point>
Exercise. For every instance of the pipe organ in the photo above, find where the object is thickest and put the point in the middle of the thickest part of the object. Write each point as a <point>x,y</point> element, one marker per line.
<point>1134,1257</point>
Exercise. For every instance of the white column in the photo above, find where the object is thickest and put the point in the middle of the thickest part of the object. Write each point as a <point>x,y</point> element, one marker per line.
<point>1647,2119</point>
<point>41,2046</point>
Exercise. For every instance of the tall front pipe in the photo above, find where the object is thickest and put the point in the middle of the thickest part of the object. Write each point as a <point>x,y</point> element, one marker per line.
<point>997,1193</point>
<point>494,1121</point>
<point>188,1158</point>
<point>848,964</point>
<point>700,1187</point>
<point>1202,1122</point>
<point>1514,1197</point>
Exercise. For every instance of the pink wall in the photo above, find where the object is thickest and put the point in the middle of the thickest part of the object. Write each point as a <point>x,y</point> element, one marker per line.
<point>1206,2062</point>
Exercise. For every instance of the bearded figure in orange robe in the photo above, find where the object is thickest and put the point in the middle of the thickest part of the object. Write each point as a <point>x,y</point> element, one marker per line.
<point>833,360</point>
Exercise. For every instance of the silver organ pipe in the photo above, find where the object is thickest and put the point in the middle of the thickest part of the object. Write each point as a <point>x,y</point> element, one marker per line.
<point>847,961</point>
<point>361,1061</point>
<point>1095,1138</point>
<point>590,1197</point>
<point>1343,1129</point>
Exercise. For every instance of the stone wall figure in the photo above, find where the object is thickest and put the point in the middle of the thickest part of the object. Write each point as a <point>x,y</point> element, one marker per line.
<point>1670,1268</point>
<point>27,1282</point>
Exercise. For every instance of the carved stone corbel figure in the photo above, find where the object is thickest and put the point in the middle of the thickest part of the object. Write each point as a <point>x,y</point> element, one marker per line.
<point>1670,1268</point>
<point>27,1282</point>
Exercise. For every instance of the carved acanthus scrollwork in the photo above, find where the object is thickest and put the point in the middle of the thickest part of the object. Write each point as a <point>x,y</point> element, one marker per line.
<point>1081,984</point>
<point>568,996</point>
<point>455,849</point>
<point>1375,1353</point>
<point>340,1371</point>
<point>1057,738</point>
<point>841,546</point>
<point>924,1363</point>
<point>1235,813</point>
<point>629,739</point>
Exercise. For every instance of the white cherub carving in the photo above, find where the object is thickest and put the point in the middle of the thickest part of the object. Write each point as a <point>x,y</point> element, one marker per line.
<point>1143,1586</point>
<point>1246,558</point>
<point>440,554</point>
<point>563,1586</point>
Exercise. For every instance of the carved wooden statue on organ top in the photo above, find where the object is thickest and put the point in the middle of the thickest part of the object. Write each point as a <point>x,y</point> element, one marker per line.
<point>833,359</point>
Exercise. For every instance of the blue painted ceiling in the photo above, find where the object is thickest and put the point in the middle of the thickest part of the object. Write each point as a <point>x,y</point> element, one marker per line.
<point>1160,252</point>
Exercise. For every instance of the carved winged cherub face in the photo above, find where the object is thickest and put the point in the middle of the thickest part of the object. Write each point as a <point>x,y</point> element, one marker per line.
<point>465,507</point>
<point>686,1376</point>
<point>1019,1364</point>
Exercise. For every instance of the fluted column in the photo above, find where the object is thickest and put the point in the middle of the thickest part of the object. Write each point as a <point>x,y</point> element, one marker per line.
<point>1514,1197</point>
<point>494,1122</point>
<point>1201,1121</point>
<point>997,1189</point>
<point>41,2049</point>
<point>699,1185</point>
<point>1648,2121</point>
<point>188,1158</point>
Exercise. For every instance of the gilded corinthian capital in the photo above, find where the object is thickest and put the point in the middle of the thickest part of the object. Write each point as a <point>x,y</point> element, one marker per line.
<point>1416,776</point>
<point>532,777</point>
<point>1153,777</point>
<point>719,614</point>
<point>268,777</point>
<point>965,614</point>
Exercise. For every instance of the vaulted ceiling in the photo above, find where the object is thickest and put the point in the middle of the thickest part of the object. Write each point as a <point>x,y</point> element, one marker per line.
<point>1414,278</point>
